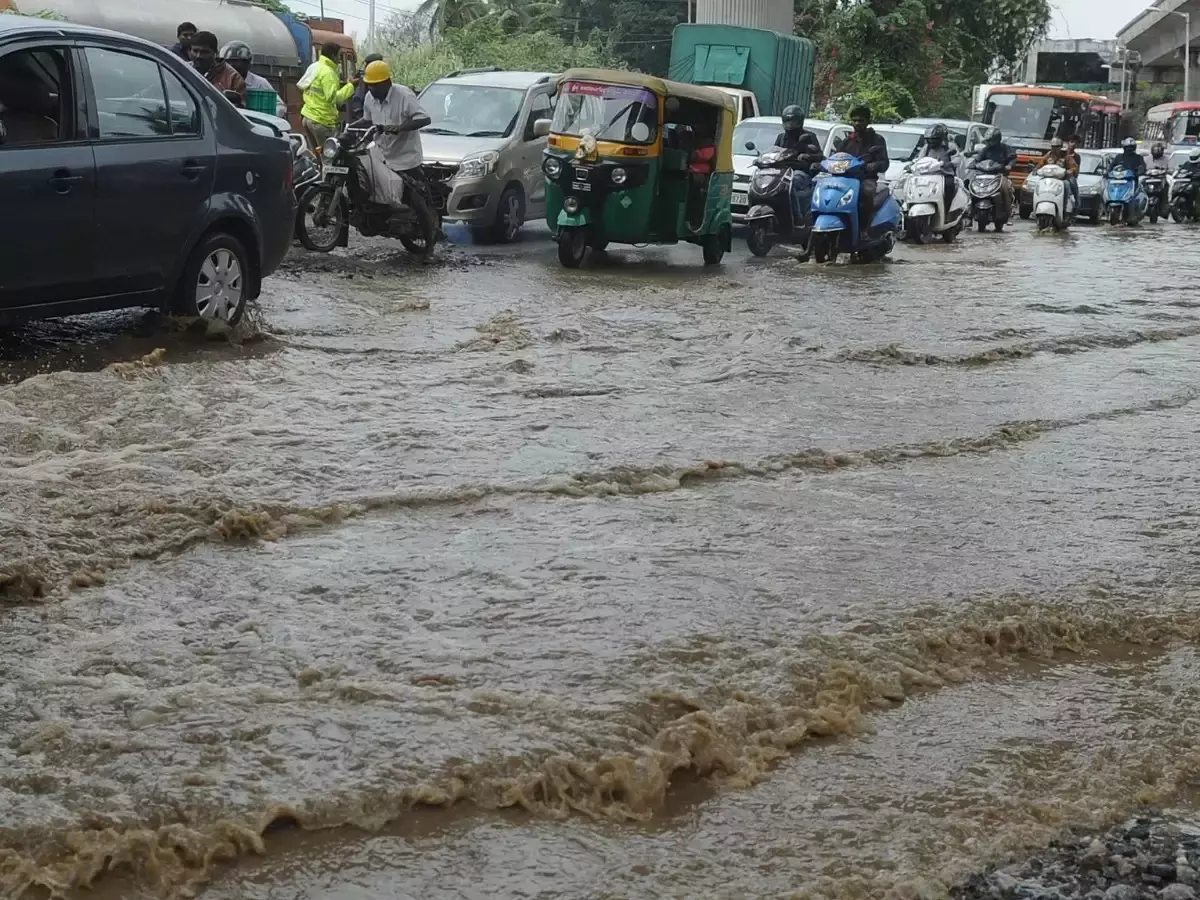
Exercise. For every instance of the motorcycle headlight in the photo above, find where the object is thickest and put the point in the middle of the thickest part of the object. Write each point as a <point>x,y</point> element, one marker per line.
<point>847,198</point>
<point>329,149</point>
<point>479,164</point>
<point>552,166</point>
<point>619,175</point>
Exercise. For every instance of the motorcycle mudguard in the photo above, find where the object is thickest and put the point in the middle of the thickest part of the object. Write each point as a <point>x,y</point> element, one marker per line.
<point>1046,208</point>
<point>922,209</point>
<point>762,211</point>
<point>575,220</point>
<point>829,223</point>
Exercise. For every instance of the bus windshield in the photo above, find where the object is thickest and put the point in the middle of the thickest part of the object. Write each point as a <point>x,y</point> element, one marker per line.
<point>1185,127</point>
<point>1032,116</point>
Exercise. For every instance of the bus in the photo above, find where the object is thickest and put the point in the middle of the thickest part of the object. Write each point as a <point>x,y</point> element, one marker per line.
<point>1173,123</point>
<point>1030,116</point>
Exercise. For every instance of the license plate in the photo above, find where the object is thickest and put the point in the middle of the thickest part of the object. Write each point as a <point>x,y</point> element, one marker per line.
<point>580,186</point>
<point>338,170</point>
<point>741,198</point>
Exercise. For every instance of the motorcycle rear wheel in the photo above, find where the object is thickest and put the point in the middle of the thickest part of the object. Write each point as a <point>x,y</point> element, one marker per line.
<point>322,235</point>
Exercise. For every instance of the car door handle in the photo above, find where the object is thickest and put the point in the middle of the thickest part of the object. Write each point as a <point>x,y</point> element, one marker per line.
<point>192,169</point>
<point>62,180</point>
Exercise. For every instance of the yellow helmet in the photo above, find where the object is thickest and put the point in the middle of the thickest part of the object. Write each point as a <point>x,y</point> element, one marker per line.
<point>377,72</point>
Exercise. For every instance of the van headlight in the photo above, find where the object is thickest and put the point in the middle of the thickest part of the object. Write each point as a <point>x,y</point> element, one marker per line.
<point>619,175</point>
<point>479,164</point>
<point>552,166</point>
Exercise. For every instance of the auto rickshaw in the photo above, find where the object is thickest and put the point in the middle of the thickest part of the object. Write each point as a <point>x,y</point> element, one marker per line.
<point>634,159</point>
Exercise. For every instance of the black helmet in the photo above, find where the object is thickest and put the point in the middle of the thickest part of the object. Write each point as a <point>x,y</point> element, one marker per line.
<point>937,134</point>
<point>1194,156</point>
<point>994,136</point>
<point>1157,149</point>
<point>1129,144</point>
<point>237,50</point>
<point>793,118</point>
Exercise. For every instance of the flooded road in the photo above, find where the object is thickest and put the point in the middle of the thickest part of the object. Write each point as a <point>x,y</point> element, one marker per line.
<point>638,581</point>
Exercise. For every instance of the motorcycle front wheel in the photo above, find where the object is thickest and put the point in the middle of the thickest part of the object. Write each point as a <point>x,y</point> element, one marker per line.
<point>1114,216</point>
<point>319,219</point>
<point>758,238</point>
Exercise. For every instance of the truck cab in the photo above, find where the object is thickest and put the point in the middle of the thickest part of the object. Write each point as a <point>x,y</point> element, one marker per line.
<point>747,103</point>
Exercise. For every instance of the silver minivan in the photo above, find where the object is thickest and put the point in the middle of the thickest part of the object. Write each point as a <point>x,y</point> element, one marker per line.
<point>481,136</point>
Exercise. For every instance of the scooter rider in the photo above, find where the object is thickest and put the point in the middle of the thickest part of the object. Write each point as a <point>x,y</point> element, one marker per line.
<point>808,152</point>
<point>871,148</point>
<point>996,150</point>
<point>1158,160</point>
<point>1058,155</point>
<point>1073,175</point>
<point>1128,158</point>
<point>936,144</point>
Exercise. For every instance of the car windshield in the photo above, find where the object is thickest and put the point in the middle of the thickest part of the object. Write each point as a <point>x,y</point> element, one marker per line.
<point>900,144</point>
<point>471,110</point>
<point>608,112</point>
<point>761,134</point>
<point>1091,163</point>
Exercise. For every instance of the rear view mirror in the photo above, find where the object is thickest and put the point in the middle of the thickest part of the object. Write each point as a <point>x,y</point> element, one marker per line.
<point>541,128</point>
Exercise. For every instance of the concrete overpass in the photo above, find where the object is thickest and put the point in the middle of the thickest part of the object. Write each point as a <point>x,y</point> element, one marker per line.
<point>1156,35</point>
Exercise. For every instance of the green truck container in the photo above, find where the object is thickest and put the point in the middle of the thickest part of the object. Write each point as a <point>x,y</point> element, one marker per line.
<point>777,68</point>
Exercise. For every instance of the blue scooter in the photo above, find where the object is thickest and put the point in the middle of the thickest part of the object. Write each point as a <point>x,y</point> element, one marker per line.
<point>1123,197</point>
<point>835,227</point>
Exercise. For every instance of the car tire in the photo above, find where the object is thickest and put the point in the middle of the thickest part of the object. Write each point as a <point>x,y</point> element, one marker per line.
<point>510,216</point>
<point>216,281</point>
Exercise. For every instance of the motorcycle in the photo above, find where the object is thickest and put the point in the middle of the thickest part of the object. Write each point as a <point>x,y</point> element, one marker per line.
<point>1052,202</point>
<point>924,203</point>
<point>771,218</point>
<point>1183,198</point>
<point>343,197</point>
<point>987,199</point>
<point>305,172</point>
<point>1154,183</point>
<point>836,228</point>
<point>1123,197</point>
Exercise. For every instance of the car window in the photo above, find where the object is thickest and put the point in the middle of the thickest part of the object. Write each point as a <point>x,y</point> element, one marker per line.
<point>130,102</point>
<point>540,108</point>
<point>747,108</point>
<point>35,97</point>
<point>185,113</point>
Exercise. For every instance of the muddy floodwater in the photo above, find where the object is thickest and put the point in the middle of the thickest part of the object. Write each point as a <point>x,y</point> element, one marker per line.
<point>492,579</point>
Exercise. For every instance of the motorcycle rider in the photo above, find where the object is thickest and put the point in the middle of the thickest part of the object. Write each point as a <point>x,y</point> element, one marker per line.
<point>1058,155</point>
<point>808,151</point>
<point>239,55</point>
<point>1188,173</point>
<point>996,150</point>
<point>936,144</point>
<point>1158,160</point>
<point>1073,155</point>
<point>871,148</point>
<point>1128,158</point>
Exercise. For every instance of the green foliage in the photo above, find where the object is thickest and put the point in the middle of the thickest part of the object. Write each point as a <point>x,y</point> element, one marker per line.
<point>39,14</point>
<point>889,100</point>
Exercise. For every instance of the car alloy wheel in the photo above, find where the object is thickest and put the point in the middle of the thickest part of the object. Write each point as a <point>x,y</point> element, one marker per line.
<point>220,286</point>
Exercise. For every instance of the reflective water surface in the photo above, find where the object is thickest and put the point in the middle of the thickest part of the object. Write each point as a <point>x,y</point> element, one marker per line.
<point>643,580</point>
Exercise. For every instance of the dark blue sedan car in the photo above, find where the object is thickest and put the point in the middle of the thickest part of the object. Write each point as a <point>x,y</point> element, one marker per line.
<point>127,180</point>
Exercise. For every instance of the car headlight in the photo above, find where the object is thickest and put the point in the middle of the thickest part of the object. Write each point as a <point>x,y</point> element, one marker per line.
<point>552,166</point>
<point>619,175</point>
<point>847,198</point>
<point>329,149</point>
<point>479,164</point>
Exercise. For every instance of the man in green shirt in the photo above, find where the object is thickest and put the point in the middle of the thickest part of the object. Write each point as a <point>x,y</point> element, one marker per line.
<point>322,96</point>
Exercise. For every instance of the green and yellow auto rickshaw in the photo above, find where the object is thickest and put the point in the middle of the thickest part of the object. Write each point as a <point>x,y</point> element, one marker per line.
<point>634,159</point>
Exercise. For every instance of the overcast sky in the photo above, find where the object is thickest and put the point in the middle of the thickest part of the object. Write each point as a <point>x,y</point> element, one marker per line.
<point>1098,19</point>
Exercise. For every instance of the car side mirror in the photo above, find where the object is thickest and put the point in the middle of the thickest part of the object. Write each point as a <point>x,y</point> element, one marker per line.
<point>541,128</point>
<point>235,98</point>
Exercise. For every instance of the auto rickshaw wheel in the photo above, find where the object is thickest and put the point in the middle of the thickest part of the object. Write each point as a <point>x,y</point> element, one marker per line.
<point>714,249</point>
<point>572,246</point>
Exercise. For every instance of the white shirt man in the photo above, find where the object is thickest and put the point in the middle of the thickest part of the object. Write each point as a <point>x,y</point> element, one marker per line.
<point>400,107</point>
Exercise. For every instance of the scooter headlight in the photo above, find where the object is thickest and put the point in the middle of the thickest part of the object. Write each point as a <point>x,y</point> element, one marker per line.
<point>847,198</point>
<point>552,166</point>
<point>329,149</point>
<point>767,180</point>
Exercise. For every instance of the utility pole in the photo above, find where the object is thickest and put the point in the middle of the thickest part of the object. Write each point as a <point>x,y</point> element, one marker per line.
<point>1187,50</point>
<point>322,9</point>
<point>370,25</point>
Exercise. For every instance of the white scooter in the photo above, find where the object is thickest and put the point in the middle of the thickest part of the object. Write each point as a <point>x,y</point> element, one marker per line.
<point>924,203</point>
<point>1053,205</point>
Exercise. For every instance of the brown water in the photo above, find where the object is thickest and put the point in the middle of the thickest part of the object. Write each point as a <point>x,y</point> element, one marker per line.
<point>637,581</point>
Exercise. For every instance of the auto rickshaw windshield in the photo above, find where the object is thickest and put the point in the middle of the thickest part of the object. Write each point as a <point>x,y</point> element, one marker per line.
<point>608,112</point>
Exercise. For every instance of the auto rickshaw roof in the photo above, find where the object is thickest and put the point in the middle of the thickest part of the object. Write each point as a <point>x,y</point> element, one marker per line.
<point>699,93</point>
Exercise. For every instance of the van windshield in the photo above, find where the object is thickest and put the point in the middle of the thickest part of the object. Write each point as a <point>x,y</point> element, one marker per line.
<point>607,112</point>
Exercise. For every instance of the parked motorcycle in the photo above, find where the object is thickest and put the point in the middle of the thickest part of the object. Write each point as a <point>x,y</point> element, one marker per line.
<point>1053,204</point>
<point>343,197</point>
<point>305,172</point>
<point>1183,198</point>
<point>987,199</point>
<point>1124,199</point>
<point>923,201</point>
<point>771,217</point>
<point>1154,183</point>
<point>836,227</point>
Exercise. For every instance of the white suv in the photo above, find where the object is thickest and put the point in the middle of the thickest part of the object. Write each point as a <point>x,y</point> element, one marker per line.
<point>482,138</point>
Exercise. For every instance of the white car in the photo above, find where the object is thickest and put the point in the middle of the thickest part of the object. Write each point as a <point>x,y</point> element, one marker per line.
<point>755,135</point>
<point>901,142</point>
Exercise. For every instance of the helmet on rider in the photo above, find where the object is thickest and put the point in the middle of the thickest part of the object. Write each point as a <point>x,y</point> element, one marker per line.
<point>1129,145</point>
<point>793,118</point>
<point>1056,143</point>
<point>1194,156</point>
<point>239,55</point>
<point>937,135</point>
<point>1157,150</point>
<point>993,137</point>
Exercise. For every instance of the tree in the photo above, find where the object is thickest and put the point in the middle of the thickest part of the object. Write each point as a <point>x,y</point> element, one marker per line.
<point>444,15</point>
